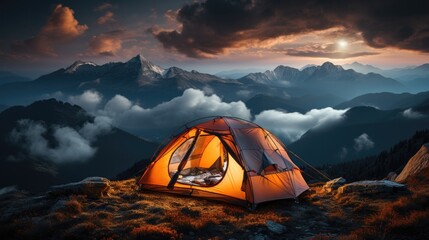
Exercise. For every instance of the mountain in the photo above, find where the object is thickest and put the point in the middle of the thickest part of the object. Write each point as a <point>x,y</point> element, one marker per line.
<point>3,107</point>
<point>386,100</point>
<point>325,79</point>
<point>51,142</point>
<point>363,131</point>
<point>363,68</point>
<point>137,79</point>
<point>302,104</point>
<point>8,77</point>
<point>236,73</point>
<point>408,74</point>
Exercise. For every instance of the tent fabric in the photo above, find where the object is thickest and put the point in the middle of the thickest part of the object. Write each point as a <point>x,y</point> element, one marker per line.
<point>225,159</point>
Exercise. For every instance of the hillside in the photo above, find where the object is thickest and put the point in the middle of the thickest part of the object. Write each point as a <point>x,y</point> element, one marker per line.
<point>378,166</point>
<point>363,131</point>
<point>386,100</point>
<point>126,213</point>
<point>51,142</point>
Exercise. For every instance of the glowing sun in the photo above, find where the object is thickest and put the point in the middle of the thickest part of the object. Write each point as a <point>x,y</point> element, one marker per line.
<point>342,43</point>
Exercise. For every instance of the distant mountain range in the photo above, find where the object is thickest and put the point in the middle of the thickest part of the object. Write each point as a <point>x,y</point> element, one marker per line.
<point>51,142</point>
<point>415,78</point>
<point>364,131</point>
<point>9,77</point>
<point>141,80</point>
<point>137,78</point>
<point>386,100</point>
<point>327,78</point>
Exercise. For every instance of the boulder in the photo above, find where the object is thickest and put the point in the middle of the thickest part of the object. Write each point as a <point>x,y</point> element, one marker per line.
<point>93,187</point>
<point>276,227</point>
<point>334,184</point>
<point>371,187</point>
<point>415,165</point>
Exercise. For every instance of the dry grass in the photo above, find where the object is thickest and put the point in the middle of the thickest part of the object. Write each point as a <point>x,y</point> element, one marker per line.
<point>404,218</point>
<point>129,214</point>
<point>154,232</point>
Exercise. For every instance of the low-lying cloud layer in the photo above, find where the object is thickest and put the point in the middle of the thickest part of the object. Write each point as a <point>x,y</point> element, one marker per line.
<point>191,105</point>
<point>89,100</point>
<point>65,144</point>
<point>162,119</point>
<point>291,126</point>
<point>212,26</point>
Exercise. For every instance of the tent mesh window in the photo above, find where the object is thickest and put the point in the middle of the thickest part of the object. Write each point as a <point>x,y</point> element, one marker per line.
<point>205,166</point>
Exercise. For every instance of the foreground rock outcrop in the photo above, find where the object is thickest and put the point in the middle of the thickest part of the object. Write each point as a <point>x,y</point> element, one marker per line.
<point>371,187</point>
<point>92,187</point>
<point>418,163</point>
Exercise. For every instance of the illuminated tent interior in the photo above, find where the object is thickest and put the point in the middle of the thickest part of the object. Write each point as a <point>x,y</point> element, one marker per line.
<point>226,159</point>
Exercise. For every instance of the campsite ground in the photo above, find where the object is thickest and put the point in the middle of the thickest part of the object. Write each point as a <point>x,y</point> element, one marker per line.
<point>130,214</point>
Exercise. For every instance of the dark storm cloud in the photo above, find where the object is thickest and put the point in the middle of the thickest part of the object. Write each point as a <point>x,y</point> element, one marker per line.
<point>212,26</point>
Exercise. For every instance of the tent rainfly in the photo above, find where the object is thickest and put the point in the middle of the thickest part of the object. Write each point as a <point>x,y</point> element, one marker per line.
<point>226,159</point>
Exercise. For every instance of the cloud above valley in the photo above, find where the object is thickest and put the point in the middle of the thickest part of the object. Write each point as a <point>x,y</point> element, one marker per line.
<point>160,120</point>
<point>363,142</point>
<point>165,117</point>
<point>212,27</point>
<point>291,126</point>
<point>89,100</point>
<point>59,144</point>
<point>410,113</point>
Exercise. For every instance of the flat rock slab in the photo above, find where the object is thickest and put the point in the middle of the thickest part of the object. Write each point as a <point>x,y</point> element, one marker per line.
<point>93,187</point>
<point>371,187</point>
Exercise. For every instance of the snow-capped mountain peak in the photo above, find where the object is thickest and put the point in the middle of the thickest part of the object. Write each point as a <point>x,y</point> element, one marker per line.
<point>76,65</point>
<point>145,64</point>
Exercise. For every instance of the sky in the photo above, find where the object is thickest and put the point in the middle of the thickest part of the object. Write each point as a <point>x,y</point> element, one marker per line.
<point>38,37</point>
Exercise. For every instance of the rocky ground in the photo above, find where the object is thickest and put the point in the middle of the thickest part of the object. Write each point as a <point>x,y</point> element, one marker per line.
<point>119,211</point>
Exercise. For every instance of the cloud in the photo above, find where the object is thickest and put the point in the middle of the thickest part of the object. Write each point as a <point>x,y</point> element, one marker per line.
<point>59,144</point>
<point>89,100</point>
<point>211,27</point>
<point>324,51</point>
<point>60,28</point>
<point>409,113</point>
<point>163,118</point>
<point>292,126</point>
<point>104,6</point>
<point>104,45</point>
<point>343,153</point>
<point>106,18</point>
<point>102,125</point>
<point>363,142</point>
<point>118,105</point>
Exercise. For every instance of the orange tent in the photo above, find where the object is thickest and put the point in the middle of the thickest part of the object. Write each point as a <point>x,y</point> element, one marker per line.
<point>226,159</point>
